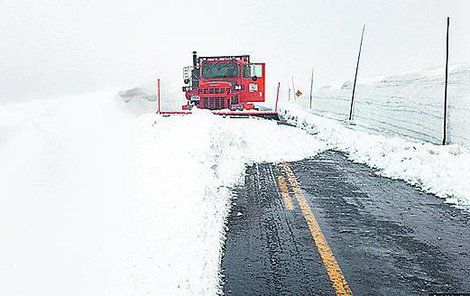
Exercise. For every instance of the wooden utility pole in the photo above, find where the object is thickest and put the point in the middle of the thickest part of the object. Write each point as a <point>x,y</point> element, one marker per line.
<point>444,138</point>
<point>311,90</point>
<point>355,75</point>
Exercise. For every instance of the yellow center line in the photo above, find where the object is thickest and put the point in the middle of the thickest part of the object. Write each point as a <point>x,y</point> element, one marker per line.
<point>281,182</point>
<point>329,261</point>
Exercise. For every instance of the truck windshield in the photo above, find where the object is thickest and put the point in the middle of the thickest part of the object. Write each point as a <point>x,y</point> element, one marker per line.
<point>220,70</point>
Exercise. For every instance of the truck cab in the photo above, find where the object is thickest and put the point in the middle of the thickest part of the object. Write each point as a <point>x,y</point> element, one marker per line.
<point>224,82</point>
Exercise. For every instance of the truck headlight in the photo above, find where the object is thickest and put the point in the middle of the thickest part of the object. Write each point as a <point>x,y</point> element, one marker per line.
<point>238,87</point>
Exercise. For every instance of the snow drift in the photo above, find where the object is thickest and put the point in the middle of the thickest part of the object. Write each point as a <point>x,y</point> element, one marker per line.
<point>409,105</point>
<point>441,170</point>
<point>186,168</point>
<point>97,200</point>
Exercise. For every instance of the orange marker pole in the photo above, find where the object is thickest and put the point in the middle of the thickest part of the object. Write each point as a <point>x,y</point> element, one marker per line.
<point>277,96</point>
<point>158,96</point>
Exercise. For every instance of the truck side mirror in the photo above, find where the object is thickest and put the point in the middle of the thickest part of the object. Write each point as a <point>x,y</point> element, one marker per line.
<point>254,78</point>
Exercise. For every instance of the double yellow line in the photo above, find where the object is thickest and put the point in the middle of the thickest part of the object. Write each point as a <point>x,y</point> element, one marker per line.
<point>281,182</point>
<point>329,261</point>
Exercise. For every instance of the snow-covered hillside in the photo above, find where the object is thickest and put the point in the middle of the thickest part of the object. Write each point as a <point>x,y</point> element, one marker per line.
<point>409,105</point>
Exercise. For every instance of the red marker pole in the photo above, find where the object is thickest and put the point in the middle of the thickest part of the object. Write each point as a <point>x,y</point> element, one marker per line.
<point>158,96</point>
<point>277,96</point>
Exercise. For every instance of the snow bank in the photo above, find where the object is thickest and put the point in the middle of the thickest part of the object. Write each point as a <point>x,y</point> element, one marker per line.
<point>186,168</point>
<point>96,200</point>
<point>442,170</point>
<point>410,104</point>
<point>63,192</point>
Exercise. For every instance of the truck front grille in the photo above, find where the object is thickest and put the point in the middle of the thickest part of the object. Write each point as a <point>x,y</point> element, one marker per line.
<point>214,103</point>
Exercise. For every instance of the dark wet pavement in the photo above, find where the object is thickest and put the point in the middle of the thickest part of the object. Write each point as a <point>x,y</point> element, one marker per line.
<point>387,237</point>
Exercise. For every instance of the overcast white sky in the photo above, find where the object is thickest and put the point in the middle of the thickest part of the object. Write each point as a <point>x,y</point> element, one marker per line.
<point>52,47</point>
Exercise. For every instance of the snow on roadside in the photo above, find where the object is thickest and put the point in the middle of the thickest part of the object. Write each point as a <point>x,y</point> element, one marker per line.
<point>99,200</point>
<point>409,104</point>
<point>441,170</point>
<point>63,194</point>
<point>186,168</point>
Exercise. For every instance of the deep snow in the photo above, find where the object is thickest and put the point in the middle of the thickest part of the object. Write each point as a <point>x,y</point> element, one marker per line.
<point>441,170</point>
<point>103,197</point>
<point>398,125</point>
<point>63,194</point>
<point>185,170</point>
<point>97,200</point>
<point>409,104</point>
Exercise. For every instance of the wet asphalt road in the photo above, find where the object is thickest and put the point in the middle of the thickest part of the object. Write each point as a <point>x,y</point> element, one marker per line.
<point>387,237</point>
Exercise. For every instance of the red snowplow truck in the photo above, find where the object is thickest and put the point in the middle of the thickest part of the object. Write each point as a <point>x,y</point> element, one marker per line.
<point>224,82</point>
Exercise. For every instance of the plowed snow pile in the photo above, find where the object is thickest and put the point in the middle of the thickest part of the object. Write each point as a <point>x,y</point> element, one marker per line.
<point>409,104</point>
<point>396,121</point>
<point>441,170</point>
<point>96,201</point>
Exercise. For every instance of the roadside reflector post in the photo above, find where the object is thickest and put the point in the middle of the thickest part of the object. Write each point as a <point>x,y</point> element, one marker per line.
<point>355,75</point>
<point>293,88</point>
<point>277,96</point>
<point>444,137</point>
<point>311,90</point>
<point>158,96</point>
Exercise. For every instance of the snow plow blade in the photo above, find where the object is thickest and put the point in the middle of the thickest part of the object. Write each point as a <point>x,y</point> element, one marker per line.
<point>233,114</point>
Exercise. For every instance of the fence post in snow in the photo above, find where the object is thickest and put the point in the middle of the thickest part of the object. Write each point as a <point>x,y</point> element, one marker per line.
<point>311,90</point>
<point>355,75</point>
<point>444,138</point>
<point>158,96</point>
